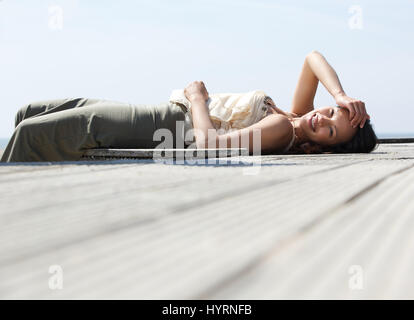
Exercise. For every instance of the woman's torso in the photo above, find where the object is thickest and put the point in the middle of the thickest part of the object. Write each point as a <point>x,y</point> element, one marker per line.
<point>229,112</point>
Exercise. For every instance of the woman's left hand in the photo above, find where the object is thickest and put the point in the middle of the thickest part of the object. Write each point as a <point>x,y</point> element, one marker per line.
<point>195,90</point>
<point>357,113</point>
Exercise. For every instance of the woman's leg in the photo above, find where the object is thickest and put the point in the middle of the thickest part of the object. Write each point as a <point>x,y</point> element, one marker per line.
<point>65,135</point>
<point>45,107</point>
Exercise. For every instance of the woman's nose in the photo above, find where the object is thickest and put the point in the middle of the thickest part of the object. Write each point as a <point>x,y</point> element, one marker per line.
<point>323,120</point>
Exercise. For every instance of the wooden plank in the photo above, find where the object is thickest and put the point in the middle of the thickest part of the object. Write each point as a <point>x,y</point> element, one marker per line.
<point>190,249</point>
<point>373,233</point>
<point>396,140</point>
<point>72,197</point>
<point>165,153</point>
<point>151,230</point>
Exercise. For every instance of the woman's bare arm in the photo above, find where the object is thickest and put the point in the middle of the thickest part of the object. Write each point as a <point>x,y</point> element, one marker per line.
<point>274,131</point>
<point>315,69</point>
<point>197,94</point>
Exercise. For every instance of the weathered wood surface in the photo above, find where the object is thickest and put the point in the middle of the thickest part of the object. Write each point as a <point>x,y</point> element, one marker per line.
<point>277,226</point>
<point>396,140</point>
<point>193,153</point>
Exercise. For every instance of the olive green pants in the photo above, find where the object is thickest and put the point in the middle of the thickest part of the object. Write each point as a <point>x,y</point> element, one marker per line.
<point>61,130</point>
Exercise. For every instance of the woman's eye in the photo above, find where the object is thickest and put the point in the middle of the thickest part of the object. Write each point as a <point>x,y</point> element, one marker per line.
<point>332,112</point>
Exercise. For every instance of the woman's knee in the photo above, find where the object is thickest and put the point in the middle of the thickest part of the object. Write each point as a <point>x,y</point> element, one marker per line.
<point>24,128</point>
<point>21,140</point>
<point>21,115</point>
<point>32,109</point>
<point>27,111</point>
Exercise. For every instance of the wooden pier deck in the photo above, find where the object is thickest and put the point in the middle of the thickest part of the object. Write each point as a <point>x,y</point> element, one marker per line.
<point>269,227</point>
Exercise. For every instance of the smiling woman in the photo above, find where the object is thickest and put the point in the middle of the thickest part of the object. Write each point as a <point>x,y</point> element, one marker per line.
<point>60,130</point>
<point>343,128</point>
<point>330,131</point>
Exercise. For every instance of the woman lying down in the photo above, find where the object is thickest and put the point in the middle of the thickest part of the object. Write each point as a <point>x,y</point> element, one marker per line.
<point>60,130</point>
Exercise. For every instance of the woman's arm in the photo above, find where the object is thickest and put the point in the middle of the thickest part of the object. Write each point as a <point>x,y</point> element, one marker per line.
<point>197,94</point>
<point>274,133</point>
<point>275,130</point>
<point>304,95</point>
<point>315,69</point>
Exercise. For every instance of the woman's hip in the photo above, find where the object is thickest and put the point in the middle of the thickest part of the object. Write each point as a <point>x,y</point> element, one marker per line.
<point>104,123</point>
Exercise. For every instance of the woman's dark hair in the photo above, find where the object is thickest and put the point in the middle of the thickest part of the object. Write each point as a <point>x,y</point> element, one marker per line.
<point>364,141</point>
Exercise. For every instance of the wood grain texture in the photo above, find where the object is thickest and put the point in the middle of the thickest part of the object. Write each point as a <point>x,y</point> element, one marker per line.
<point>244,227</point>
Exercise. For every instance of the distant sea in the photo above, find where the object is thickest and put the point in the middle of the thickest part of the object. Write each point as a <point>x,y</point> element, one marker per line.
<point>4,141</point>
<point>395,135</point>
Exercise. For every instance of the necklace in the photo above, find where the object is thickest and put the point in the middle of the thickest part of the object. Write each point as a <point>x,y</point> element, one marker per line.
<point>270,104</point>
<point>295,137</point>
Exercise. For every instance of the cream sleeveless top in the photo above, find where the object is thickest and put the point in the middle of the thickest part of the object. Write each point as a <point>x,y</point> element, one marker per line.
<point>228,111</point>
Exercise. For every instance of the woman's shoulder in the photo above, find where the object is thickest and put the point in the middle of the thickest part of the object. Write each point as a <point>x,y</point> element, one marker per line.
<point>282,122</point>
<point>284,132</point>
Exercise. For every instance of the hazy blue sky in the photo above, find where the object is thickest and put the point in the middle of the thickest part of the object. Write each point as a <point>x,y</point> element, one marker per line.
<point>138,51</point>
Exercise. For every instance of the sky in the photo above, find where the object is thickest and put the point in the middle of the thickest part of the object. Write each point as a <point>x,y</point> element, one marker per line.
<point>138,51</point>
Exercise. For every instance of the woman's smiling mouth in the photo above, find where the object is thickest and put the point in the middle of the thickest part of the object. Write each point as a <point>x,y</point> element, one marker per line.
<point>311,122</point>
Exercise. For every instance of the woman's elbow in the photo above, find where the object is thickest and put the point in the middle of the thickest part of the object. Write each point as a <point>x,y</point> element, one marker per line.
<point>201,143</point>
<point>206,143</point>
<point>313,52</point>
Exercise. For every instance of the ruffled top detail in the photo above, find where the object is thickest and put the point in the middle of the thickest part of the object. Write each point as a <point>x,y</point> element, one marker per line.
<point>228,111</point>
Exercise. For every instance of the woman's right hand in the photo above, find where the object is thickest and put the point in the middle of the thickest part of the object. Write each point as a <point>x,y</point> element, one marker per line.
<point>357,113</point>
<point>195,90</point>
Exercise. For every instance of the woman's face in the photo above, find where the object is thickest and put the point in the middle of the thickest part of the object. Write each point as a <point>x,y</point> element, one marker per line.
<point>328,125</point>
